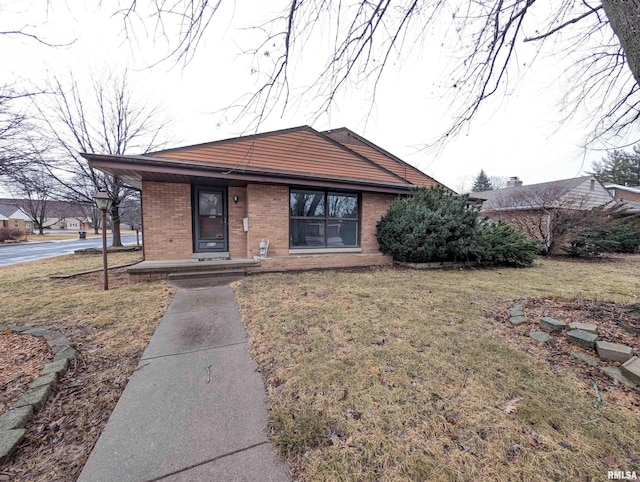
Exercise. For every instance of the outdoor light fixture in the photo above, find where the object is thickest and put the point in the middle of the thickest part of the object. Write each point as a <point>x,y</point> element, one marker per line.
<point>235,199</point>
<point>103,201</point>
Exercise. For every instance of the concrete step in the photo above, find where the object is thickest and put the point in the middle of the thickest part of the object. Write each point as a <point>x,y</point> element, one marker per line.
<point>190,275</point>
<point>195,283</point>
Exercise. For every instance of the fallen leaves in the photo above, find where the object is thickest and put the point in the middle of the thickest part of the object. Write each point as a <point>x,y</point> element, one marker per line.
<point>511,405</point>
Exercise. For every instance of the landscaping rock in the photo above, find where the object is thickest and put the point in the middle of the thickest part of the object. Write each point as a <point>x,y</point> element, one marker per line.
<point>517,320</point>
<point>517,310</point>
<point>41,332</point>
<point>540,336</point>
<point>59,367</point>
<point>35,397</point>
<point>613,351</point>
<point>65,353</point>
<point>616,373</point>
<point>582,338</point>
<point>590,360</point>
<point>9,439</point>
<point>18,328</point>
<point>16,418</point>
<point>576,325</point>
<point>42,380</point>
<point>631,369</point>
<point>551,324</point>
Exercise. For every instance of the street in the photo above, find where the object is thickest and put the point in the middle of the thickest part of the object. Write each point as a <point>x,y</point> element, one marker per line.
<point>21,253</point>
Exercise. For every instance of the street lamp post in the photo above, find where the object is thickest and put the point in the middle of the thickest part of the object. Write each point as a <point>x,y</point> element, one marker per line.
<point>103,201</point>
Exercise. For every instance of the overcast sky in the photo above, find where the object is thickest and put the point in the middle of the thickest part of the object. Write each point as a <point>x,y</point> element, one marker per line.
<point>516,135</point>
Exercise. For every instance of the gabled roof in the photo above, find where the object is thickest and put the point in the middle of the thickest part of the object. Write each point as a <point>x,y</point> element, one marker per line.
<point>383,158</point>
<point>299,155</point>
<point>563,192</point>
<point>11,212</point>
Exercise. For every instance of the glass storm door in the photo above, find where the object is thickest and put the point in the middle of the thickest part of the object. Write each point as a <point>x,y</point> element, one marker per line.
<point>210,220</point>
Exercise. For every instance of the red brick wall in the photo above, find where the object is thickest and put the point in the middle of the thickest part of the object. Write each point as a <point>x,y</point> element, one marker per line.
<point>627,195</point>
<point>168,235</point>
<point>268,212</point>
<point>237,211</point>
<point>166,214</point>
<point>374,206</point>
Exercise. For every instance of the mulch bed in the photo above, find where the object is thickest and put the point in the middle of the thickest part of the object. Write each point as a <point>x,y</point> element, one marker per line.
<point>616,323</point>
<point>21,359</point>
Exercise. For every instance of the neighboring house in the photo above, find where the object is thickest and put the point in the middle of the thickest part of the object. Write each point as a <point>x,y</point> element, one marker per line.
<point>541,209</point>
<point>314,197</point>
<point>70,223</point>
<point>14,218</point>
<point>629,195</point>
<point>58,214</point>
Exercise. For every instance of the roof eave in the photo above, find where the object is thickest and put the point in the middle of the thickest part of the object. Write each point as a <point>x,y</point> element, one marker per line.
<point>144,164</point>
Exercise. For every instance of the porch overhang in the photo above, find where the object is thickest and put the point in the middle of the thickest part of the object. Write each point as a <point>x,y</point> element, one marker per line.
<point>135,169</point>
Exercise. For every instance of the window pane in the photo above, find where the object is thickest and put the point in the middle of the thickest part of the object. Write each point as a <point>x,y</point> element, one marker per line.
<point>210,204</point>
<point>342,205</point>
<point>342,233</point>
<point>306,203</point>
<point>306,233</point>
<point>211,227</point>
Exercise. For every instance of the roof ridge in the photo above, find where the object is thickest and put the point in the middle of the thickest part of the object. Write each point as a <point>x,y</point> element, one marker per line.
<point>366,159</point>
<point>382,151</point>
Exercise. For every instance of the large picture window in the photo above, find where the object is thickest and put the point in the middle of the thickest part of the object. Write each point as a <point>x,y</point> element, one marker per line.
<point>323,219</point>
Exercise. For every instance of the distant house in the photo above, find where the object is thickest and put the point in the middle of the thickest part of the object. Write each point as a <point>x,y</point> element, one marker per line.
<point>627,195</point>
<point>314,197</point>
<point>15,218</point>
<point>57,214</point>
<point>540,209</point>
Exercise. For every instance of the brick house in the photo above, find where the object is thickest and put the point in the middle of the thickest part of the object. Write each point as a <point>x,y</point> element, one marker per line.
<point>540,210</point>
<point>14,218</point>
<point>313,197</point>
<point>627,195</point>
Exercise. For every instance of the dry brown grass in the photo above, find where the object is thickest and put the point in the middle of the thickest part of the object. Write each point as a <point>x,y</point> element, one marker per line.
<point>390,374</point>
<point>110,329</point>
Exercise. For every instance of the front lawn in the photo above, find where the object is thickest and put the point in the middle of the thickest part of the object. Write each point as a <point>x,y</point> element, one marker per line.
<point>110,330</point>
<point>393,374</point>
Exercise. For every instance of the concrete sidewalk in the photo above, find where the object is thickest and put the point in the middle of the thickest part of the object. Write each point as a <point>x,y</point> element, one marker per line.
<point>195,407</point>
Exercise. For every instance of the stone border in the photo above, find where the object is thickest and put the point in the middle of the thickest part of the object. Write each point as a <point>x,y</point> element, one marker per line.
<point>13,421</point>
<point>584,335</point>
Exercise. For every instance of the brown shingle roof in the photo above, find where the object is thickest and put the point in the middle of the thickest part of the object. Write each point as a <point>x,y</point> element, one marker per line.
<point>381,157</point>
<point>299,150</point>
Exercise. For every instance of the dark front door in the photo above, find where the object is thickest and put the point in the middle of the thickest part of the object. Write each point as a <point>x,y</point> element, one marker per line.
<point>210,219</point>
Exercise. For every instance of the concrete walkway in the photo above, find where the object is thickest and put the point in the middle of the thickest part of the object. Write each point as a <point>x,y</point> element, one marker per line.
<point>195,407</point>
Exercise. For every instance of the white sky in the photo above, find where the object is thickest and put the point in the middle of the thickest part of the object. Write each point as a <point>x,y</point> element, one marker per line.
<point>516,135</point>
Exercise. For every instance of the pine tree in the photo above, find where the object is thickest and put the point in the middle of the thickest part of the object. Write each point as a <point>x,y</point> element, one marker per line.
<point>619,167</point>
<point>482,182</point>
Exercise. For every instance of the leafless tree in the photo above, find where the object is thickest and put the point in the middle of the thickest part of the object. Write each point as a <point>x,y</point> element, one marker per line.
<point>106,119</point>
<point>34,187</point>
<point>546,213</point>
<point>489,37</point>
<point>17,147</point>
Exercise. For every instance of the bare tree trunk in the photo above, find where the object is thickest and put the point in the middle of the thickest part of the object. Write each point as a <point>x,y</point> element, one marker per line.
<point>115,225</point>
<point>624,16</point>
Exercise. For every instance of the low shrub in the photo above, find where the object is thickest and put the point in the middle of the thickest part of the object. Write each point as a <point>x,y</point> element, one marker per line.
<point>11,234</point>
<point>431,225</point>
<point>434,225</point>
<point>499,243</point>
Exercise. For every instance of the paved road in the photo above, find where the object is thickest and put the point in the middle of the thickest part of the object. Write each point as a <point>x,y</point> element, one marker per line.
<point>22,253</point>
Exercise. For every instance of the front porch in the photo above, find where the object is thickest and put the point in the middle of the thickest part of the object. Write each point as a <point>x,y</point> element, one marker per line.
<point>182,269</point>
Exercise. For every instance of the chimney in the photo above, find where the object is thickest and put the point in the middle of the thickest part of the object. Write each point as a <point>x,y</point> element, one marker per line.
<point>514,181</point>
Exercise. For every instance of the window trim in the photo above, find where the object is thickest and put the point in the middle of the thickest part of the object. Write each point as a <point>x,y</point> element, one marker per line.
<point>325,219</point>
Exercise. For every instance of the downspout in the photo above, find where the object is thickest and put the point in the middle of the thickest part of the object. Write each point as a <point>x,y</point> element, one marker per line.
<point>548,236</point>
